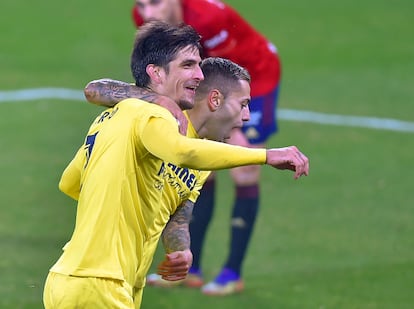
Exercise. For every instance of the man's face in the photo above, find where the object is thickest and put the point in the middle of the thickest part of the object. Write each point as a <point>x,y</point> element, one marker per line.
<point>233,111</point>
<point>161,10</point>
<point>182,79</point>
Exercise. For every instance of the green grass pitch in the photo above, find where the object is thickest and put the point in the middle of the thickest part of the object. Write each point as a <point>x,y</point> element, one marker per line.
<point>341,238</point>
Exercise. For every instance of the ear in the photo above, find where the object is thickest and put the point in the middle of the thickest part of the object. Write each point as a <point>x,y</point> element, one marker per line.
<point>214,99</point>
<point>153,72</point>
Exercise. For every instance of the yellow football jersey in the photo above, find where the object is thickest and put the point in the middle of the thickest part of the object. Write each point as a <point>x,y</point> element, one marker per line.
<point>118,177</point>
<point>119,196</point>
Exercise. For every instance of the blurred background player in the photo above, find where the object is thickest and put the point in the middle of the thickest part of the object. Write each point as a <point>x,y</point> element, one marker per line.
<point>226,34</point>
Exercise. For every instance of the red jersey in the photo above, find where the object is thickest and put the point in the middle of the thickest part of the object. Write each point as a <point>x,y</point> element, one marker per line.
<point>224,33</point>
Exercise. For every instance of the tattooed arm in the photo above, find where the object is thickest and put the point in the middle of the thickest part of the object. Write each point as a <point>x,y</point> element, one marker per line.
<point>176,240</point>
<point>176,235</point>
<point>108,92</point>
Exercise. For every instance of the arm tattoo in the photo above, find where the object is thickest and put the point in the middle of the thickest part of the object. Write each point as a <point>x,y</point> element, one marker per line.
<point>176,234</point>
<point>108,92</point>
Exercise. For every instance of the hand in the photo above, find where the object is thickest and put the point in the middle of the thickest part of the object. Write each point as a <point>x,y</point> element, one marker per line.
<point>289,158</point>
<point>176,111</point>
<point>176,265</point>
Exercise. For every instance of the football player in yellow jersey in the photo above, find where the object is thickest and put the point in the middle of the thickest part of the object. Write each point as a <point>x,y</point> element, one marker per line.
<point>117,178</point>
<point>221,104</point>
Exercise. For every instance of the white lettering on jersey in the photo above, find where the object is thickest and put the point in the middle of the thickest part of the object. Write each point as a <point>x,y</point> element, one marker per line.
<point>217,39</point>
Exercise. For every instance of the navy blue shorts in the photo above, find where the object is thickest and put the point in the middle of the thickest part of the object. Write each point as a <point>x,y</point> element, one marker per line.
<point>263,118</point>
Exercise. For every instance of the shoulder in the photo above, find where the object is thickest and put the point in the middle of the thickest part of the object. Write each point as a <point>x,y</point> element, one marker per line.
<point>214,21</point>
<point>203,13</point>
<point>142,108</point>
<point>199,5</point>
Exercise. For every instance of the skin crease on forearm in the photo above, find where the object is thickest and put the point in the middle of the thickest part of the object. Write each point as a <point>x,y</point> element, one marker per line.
<point>176,236</point>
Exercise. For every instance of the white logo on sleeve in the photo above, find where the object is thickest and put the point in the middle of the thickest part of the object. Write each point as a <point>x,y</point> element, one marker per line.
<point>272,47</point>
<point>217,3</point>
<point>217,39</point>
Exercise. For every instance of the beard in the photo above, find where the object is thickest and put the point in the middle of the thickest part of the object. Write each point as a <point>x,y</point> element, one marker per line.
<point>185,104</point>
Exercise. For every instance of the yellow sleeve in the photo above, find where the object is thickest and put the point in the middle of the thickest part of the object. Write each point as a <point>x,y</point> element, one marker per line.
<point>70,182</point>
<point>161,138</point>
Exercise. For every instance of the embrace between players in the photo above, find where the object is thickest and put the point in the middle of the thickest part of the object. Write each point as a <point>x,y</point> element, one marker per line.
<point>118,176</point>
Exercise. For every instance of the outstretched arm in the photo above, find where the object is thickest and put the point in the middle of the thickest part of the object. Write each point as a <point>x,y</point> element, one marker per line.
<point>161,139</point>
<point>176,240</point>
<point>107,92</point>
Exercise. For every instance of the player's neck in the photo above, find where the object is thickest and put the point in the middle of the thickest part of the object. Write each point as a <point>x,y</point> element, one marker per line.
<point>195,115</point>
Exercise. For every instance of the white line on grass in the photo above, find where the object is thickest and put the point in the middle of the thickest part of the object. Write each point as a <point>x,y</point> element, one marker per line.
<point>284,114</point>
<point>350,121</point>
<point>41,93</point>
